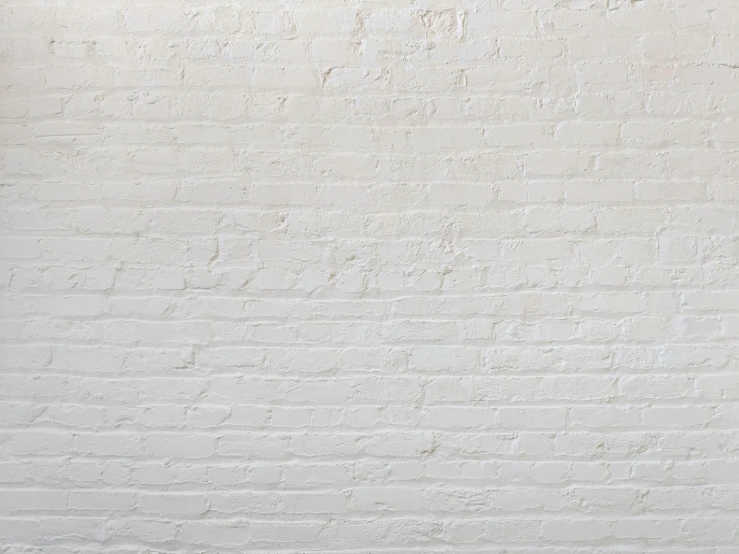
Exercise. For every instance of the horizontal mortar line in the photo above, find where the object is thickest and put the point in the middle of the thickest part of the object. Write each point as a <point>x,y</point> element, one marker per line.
<point>338,375</point>
<point>361,344</point>
<point>213,515</point>
<point>360,517</point>
<point>338,206</point>
<point>705,182</point>
<point>718,421</point>
<point>267,546</point>
<point>372,210</point>
<point>339,347</point>
<point>353,121</point>
<point>371,323</point>
<point>369,295</point>
<point>570,317</point>
<point>461,121</point>
<point>241,458</point>
<point>442,544</point>
<point>576,235</point>
<point>247,147</point>
<point>450,317</point>
<point>470,114</point>
<point>316,90</point>
<point>347,487</point>
<point>370,299</point>
<point>218,433</point>
<point>297,321</point>
<point>206,400</point>
<point>610,401</point>
<point>462,431</point>
<point>494,480</point>
<point>728,458</point>
<point>422,202</point>
<point>433,482</point>
<point>478,291</point>
<point>233,461</point>
<point>435,546</point>
<point>315,404</point>
<point>244,147</point>
<point>343,489</point>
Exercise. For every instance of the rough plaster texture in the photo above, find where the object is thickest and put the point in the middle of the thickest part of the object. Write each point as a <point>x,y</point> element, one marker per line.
<point>398,276</point>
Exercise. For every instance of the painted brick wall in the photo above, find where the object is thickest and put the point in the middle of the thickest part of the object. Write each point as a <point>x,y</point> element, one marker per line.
<point>393,276</point>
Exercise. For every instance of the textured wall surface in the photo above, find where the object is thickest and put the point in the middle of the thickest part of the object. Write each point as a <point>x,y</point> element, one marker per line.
<point>394,276</point>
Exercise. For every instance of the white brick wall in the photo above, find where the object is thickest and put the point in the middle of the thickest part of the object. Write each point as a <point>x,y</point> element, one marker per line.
<point>369,276</point>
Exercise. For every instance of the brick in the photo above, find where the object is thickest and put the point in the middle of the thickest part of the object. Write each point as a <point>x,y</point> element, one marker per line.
<point>381,276</point>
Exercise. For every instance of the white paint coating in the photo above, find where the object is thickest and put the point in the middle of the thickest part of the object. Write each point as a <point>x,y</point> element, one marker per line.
<point>384,277</point>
